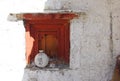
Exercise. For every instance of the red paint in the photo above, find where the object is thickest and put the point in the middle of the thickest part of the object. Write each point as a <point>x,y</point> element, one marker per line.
<point>49,32</point>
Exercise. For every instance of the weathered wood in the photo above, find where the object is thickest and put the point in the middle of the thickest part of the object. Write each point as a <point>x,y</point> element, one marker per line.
<point>39,24</point>
<point>43,16</point>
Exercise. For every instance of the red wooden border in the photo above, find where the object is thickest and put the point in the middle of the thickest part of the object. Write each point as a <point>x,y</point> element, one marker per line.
<point>32,19</point>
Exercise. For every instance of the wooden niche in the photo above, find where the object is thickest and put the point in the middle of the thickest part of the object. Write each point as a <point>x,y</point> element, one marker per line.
<point>48,32</point>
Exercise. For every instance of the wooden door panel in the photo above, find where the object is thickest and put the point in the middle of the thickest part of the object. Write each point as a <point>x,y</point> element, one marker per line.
<point>48,41</point>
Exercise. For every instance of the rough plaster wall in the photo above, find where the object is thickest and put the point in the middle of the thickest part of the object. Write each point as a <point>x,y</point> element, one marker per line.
<point>116,27</point>
<point>95,53</point>
<point>53,75</point>
<point>90,39</point>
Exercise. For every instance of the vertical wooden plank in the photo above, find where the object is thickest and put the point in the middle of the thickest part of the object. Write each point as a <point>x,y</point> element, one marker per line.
<point>62,42</point>
<point>67,41</point>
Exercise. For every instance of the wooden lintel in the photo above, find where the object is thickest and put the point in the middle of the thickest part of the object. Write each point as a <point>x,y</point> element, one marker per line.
<point>44,16</point>
<point>49,16</point>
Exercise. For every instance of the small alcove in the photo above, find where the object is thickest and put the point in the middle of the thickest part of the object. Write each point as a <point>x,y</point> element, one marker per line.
<point>49,32</point>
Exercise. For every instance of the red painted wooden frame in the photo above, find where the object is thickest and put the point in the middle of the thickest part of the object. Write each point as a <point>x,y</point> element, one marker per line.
<point>36,21</point>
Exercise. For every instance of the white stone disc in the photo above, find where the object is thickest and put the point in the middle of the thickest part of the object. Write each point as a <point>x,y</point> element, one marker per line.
<point>41,60</point>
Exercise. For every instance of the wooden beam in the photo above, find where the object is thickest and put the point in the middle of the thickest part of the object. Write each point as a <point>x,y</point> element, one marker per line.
<point>57,15</point>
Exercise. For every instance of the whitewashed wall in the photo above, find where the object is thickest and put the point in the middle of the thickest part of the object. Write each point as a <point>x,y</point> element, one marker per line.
<point>93,51</point>
<point>12,38</point>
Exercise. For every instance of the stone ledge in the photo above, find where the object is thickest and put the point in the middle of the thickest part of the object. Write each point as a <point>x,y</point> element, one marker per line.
<point>50,75</point>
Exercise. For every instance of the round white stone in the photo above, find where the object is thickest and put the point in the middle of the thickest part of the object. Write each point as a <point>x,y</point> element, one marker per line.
<point>41,60</point>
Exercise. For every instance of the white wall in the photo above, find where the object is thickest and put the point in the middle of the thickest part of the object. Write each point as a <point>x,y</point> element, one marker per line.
<point>90,39</point>
<point>12,38</point>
